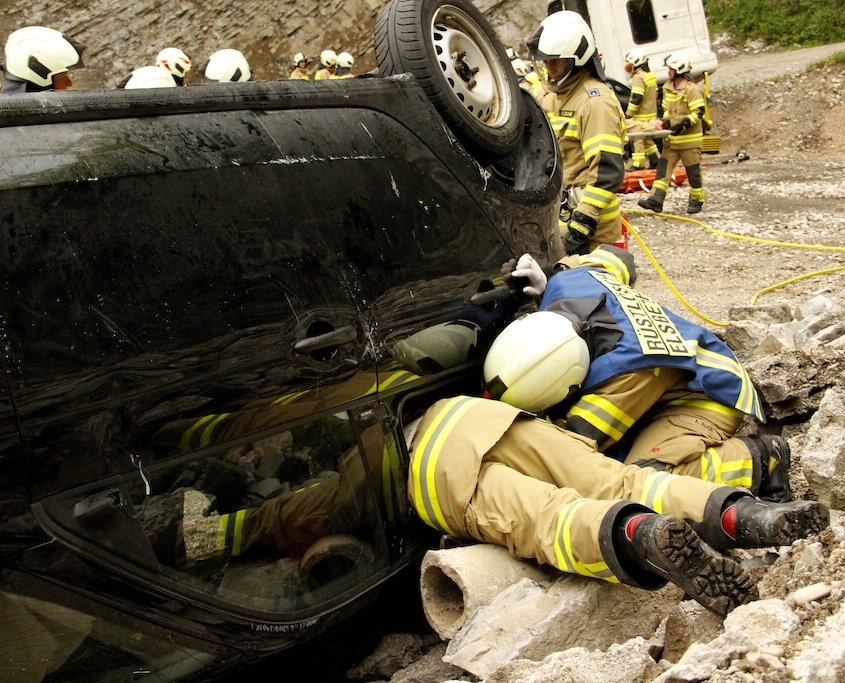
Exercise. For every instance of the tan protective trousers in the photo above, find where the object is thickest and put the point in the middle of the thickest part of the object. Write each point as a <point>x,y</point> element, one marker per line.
<point>683,436</point>
<point>543,493</point>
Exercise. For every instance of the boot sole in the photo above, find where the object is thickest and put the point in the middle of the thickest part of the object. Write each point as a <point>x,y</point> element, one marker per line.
<point>788,522</point>
<point>679,555</point>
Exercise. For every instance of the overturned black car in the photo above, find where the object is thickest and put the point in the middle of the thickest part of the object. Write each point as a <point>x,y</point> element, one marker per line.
<point>215,302</point>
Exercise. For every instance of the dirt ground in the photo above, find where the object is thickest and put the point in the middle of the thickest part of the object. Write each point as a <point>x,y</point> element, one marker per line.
<point>791,191</point>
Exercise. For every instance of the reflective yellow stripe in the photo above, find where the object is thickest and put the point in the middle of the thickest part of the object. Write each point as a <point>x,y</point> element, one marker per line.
<point>559,122</point>
<point>207,431</point>
<point>599,197</point>
<point>732,473</point>
<point>603,415</point>
<point>563,548</point>
<point>610,262</point>
<point>660,185</point>
<point>689,137</point>
<point>428,451</point>
<point>185,441</point>
<point>706,405</point>
<point>747,401</point>
<point>601,143</point>
<point>654,490</point>
<point>288,398</point>
<point>390,471</point>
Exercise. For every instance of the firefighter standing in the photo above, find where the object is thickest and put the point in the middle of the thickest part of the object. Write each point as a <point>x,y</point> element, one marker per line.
<point>661,391</point>
<point>684,107</point>
<point>589,125</point>
<point>642,106</point>
<point>300,68</point>
<point>327,67</point>
<point>484,470</point>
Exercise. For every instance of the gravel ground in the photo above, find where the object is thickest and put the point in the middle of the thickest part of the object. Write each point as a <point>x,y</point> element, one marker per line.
<point>791,122</point>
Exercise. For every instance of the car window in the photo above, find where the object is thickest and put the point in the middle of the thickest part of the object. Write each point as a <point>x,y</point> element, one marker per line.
<point>50,635</point>
<point>277,524</point>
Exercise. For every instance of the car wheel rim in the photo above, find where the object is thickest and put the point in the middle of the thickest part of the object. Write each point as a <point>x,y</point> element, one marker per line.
<point>470,66</point>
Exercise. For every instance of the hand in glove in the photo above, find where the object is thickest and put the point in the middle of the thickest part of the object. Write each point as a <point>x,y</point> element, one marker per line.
<point>529,269</point>
<point>679,128</point>
<point>577,239</point>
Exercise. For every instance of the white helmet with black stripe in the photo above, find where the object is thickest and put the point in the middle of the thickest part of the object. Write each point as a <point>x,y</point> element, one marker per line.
<point>36,53</point>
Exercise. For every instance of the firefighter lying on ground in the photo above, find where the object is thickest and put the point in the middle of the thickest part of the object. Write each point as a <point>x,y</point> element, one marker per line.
<point>660,391</point>
<point>484,470</point>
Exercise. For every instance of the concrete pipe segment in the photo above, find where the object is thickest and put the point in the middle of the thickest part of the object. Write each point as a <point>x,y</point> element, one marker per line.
<point>456,581</point>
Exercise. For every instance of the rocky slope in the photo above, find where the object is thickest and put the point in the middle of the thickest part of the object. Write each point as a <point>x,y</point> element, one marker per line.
<point>122,35</point>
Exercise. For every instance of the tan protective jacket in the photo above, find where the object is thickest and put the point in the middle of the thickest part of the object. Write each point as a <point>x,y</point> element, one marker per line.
<point>680,102</point>
<point>590,128</point>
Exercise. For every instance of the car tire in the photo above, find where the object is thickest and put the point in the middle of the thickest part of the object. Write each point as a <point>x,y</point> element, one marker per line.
<point>454,53</point>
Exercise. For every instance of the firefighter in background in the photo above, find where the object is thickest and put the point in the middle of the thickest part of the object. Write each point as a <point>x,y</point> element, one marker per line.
<point>327,66</point>
<point>527,78</point>
<point>484,470</point>
<point>176,62</point>
<point>661,392</point>
<point>225,66</point>
<point>590,129</point>
<point>642,107</point>
<point>345,62</point>
<point>684,105</point>
<point>300,68</point>
<point>39,59</point>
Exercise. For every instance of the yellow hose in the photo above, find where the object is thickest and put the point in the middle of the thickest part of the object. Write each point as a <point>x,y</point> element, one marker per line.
<point>730,235</point>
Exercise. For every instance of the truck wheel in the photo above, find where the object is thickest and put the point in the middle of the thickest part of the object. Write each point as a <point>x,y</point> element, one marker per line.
<point>454,53</point>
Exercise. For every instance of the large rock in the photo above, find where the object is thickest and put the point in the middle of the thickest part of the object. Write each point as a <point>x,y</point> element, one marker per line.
<point>530,621</point>
<point>823,457</point>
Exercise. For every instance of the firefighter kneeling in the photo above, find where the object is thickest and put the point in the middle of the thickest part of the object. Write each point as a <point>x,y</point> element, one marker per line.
<point>482,469</point>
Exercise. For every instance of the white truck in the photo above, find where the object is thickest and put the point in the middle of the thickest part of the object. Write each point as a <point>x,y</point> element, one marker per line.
<point>660,27</point>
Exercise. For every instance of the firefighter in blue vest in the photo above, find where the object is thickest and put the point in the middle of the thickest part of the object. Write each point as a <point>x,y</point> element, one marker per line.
<point>661,391</point>
<point>484,470</point>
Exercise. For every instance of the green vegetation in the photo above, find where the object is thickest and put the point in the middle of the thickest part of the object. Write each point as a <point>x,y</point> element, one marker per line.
<point>778,22</point>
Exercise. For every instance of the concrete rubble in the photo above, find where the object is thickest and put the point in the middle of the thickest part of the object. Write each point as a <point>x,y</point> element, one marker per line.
<point>544,629</point>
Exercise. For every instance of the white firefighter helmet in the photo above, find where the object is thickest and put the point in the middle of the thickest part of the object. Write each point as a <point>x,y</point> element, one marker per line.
<point>679,62</point>
<point>150,77</point>
<point>175,61</point>
<point>328,58</point>
<point>226,66</point>
<point>522,69</point>
<point>36,53</point>
<point>636,58</point>
<point>300,57</point>
<point>536,361</point>
<point>345,60</point>
<point>562,35</point>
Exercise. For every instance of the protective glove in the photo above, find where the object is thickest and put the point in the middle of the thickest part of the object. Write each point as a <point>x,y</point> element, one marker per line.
<point>679,128</point>
<point>579,231</point>
<point>529,269</point>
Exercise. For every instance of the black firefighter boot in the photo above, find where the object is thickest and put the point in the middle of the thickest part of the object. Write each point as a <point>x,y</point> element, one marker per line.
<point>738,520</point>
<point>654,202</point>
<point>653,160</point>
<point>771,456</point>
<point>666,546</point>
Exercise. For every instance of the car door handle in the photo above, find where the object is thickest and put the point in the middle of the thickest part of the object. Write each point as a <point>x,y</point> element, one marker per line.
<point>342,335</point>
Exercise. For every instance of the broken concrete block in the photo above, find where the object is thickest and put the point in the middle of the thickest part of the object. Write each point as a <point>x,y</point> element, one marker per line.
<point>765,622</point>
<point>688,623</point>
<point>765,314</point>
<point>823,457</point>
<point>530,621</point>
